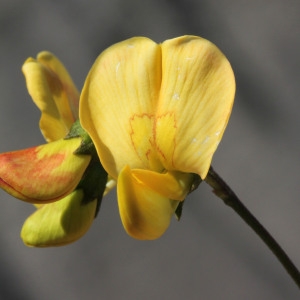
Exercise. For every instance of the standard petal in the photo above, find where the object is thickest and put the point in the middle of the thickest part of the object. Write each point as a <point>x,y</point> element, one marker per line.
<point>121,91</point>
<point>43,174</point>
<point>53,91</point>
<point>59,223</point>
<point>195,103</point>
<point>145,213</point>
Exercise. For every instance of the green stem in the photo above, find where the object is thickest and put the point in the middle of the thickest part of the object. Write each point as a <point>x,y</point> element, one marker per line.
<point>223,191</point>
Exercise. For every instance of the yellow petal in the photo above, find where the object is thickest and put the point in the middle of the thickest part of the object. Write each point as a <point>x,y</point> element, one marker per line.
<point>195,103</point>
<point>172,185</point>
<point>123,85</point>
<point>144,212</point>
<point>71,106</point>
<point>59,223</point>
<point>54,92</point>
<point>43,174</point>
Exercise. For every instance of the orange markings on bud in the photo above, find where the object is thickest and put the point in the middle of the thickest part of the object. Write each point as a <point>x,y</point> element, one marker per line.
<point>42,174</point>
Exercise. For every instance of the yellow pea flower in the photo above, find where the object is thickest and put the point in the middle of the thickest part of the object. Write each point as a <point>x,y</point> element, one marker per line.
<point>53,91</point>
<point>156,114</point>
<point>57,177</point>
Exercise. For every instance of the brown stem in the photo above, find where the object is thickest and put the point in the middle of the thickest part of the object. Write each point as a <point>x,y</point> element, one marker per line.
<point>223,191</point>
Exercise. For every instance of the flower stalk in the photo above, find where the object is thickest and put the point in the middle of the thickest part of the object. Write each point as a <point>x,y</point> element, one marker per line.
<point>223,191</point>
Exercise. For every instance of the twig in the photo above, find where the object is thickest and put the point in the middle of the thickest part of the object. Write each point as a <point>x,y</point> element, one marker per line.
<point>223,191</point>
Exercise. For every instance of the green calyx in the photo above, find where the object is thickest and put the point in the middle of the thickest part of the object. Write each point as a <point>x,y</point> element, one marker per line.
<point>196,182</point>
<point>93,181</point>
<point>87,145</point>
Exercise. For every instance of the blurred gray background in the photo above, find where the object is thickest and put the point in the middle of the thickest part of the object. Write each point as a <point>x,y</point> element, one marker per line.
<point>210,253</point>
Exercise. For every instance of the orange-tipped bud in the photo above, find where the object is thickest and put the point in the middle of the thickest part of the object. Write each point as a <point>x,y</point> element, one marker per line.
<point>43,174</point>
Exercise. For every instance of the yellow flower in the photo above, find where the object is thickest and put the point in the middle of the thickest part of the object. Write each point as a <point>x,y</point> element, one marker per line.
<point>156,114</point>
<point>54,176</point>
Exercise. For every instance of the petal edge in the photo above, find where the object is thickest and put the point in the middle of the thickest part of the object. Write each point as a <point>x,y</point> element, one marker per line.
<point>145,214</point>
